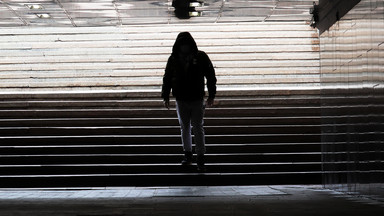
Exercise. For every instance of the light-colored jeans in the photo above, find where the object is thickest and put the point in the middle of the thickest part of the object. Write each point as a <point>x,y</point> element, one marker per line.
<point>192,113</point>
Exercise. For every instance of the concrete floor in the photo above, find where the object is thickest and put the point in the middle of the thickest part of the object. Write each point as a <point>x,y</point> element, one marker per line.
<point>169,201</point>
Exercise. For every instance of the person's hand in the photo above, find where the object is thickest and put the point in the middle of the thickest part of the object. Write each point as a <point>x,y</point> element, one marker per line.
<point>210,102</point>
<point>166,103</point>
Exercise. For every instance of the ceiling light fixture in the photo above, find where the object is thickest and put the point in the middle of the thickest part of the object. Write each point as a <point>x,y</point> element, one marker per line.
<point>195,13</point>
<point>35,7</point>
<point>184,9</point>
<point>196,4</point>
<point>43,16</point>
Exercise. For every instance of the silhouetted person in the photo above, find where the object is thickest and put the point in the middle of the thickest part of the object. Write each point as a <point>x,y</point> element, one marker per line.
<point>184,74</point>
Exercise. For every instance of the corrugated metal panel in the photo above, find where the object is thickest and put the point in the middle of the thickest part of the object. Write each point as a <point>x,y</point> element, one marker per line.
<point>245,55</point>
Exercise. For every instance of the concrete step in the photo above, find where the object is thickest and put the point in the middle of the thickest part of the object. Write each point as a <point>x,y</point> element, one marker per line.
<point>135,94</point>
<point>152,103</point>
<point>156,158</point>
<point>77,169</point>
<point>155,130</point>
<point>161,139</point>
<point>221,148</point>
<point>156,121</point>
<point>160,112</point>
<point>177,179</point>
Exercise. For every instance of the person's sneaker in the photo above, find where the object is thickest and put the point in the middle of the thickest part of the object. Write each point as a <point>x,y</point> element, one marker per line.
<point>201,163</point>
<point>187,161</point>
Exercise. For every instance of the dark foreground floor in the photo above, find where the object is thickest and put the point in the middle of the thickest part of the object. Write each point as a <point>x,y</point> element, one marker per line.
<point>169,201</point>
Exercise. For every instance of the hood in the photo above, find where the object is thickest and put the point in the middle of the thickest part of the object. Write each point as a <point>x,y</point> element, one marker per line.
<point>184,37</point>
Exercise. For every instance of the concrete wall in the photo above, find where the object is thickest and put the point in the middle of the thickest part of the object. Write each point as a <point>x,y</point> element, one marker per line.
<point>352,86</point>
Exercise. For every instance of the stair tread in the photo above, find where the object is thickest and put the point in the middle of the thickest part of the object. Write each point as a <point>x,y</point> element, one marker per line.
<point>153,136</point>
<point>155,93</point>
<point>160,155</point>
<point>158,164</point>
<point>165,174</point>
<point>154,118</point>
<point>158,145</point>
<point>163,109</point>
<point>148,126</point>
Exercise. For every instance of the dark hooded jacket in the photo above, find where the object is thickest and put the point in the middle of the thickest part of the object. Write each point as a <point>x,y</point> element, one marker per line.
<point>187,79</point>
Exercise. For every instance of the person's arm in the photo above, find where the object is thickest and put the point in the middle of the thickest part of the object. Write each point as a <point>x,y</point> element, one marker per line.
<point>211,80</point>
<point>167,83</point>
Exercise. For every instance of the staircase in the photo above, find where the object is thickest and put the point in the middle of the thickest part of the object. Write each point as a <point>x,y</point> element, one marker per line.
<point>81,107</point>
<point>121,139</point>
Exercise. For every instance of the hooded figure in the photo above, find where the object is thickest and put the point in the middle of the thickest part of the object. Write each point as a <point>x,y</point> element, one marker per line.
<point>185,71</point>
<point>185,74</point>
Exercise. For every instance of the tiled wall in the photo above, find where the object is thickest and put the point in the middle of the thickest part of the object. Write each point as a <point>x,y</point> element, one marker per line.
<point>352,85</point>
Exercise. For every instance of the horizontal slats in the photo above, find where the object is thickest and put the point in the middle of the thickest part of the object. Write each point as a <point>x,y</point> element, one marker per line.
<point>108,57</point>
<point>116,35</point>
<point>153,65</point>
<point>121,46</point>
<point>300,26</point>
<point>143,82</point>
<point>244,55</point>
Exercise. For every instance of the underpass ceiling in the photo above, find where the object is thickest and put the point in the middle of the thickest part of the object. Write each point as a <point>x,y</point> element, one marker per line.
<point>77,13</point>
